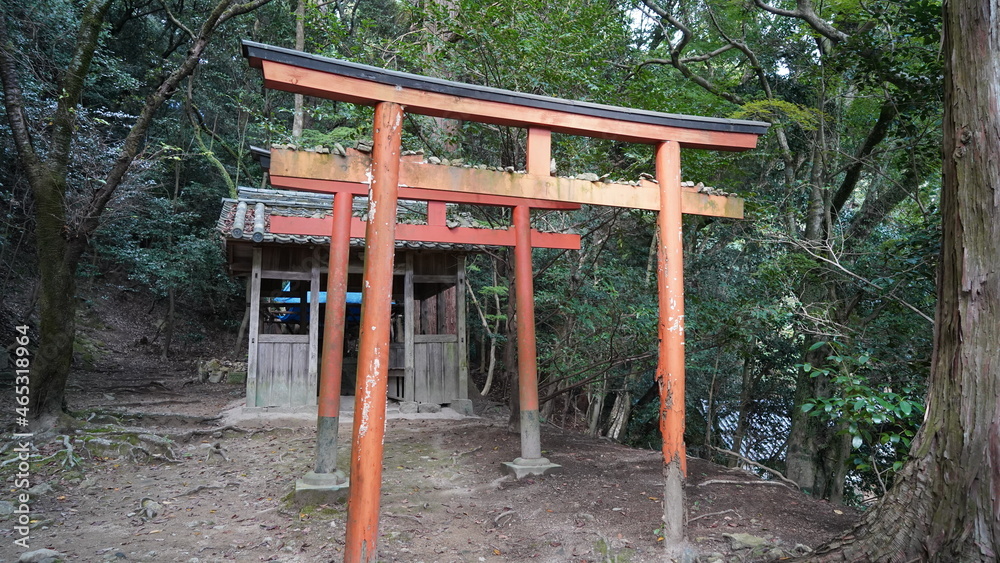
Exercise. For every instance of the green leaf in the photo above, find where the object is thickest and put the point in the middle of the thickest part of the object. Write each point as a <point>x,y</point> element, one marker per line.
<point>808,407</point>
<point>857,441</point>
<point>819,344</point>
<point>807,367</point>
<point>906,407</point>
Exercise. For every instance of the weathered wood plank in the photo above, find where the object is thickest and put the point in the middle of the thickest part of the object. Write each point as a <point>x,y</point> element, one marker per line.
<point>434,338</point>
<point>284,338</point>
<point>449,371</point>
<point>264,371</point>
<point>285,275</point>
<point>254,330</point>
<point>435,372</point>
<point>312,353</point>
<point>409,327</point>
<point>420,366</point>
<point>432,278</point>
<point>301,383</point>
<point>397,355</point>
<point>462,330</point>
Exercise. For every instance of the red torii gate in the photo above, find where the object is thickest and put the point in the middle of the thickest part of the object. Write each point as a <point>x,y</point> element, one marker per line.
<point>346,176</point>
<point>390,92</point>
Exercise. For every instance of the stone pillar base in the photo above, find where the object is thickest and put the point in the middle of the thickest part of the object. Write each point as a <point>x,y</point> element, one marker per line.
<point>321,488</point>
<point>521,468</point>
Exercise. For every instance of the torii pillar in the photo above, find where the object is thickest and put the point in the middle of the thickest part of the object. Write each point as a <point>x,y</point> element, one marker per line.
<point>325,482</point>
<point>531,462</point>
<point>670,362</point>
<point>373,346</point>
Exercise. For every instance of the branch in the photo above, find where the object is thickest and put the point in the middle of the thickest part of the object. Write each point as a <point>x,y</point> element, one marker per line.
<point>737,482</point>
<point>681,63</point>
<point>841,268</point>
<point>71,85</point>
<point>750,55</point>
<point>13,100</point>
<point>804,11</point>
<point>241,9</point>
<point>581,383</point>
<point>175,21</point>
<point>721,512</point>
<point>878,133</point>
<point>196,125</point>
<point>707,56</point>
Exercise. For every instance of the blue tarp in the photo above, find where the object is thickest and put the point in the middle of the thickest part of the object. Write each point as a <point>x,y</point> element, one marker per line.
<point>353,306</point>
<point>353,298</point>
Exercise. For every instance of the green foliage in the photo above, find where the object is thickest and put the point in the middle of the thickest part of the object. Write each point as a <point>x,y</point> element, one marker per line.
<point>779,111</point>
<point>880,419</point>
<point>167,243</point>
<point>342,135</point>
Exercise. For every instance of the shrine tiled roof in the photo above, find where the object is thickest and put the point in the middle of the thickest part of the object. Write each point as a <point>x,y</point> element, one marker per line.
<point>247,218</point>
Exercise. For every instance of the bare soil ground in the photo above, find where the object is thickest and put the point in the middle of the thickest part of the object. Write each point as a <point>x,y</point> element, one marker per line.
<point>219,490</point>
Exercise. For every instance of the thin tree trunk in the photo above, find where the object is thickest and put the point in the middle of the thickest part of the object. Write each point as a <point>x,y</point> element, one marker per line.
<point>596,408</point>
<point>493,344</point>
<point>620,413</point>
<point>744,416</point>
<point>168,325</point>
<point>298,117</point>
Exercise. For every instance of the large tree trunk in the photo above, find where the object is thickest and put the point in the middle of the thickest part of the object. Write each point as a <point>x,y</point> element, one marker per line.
<point>57,328</point>
<point>944,504</point>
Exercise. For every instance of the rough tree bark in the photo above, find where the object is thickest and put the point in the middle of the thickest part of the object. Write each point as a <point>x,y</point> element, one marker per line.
<point>62,240</point>
<point>944,503</point>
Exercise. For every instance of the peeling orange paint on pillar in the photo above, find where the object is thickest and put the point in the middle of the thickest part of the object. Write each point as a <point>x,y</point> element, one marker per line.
<point>670,365</point>
<point>373,347</point>
<point>336,307</point>
<point>670,278</point>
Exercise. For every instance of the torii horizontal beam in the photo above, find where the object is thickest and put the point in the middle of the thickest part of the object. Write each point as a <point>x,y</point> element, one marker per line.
<point>323,77</point>
<point>319,172</point>
<point>313,226</point>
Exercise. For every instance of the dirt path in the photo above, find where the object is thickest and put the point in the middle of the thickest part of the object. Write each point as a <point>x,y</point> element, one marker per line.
<point>443,495</point>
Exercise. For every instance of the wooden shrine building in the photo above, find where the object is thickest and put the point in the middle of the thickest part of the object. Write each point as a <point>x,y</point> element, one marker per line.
<point>278,239</point>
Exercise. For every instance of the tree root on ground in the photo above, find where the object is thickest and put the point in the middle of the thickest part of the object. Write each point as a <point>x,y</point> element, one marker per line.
<point>738,482</point>
<point>762,467</point>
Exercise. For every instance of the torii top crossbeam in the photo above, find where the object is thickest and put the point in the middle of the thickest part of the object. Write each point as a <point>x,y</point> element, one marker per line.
<point>322,77</point>
<point>393,92</point>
